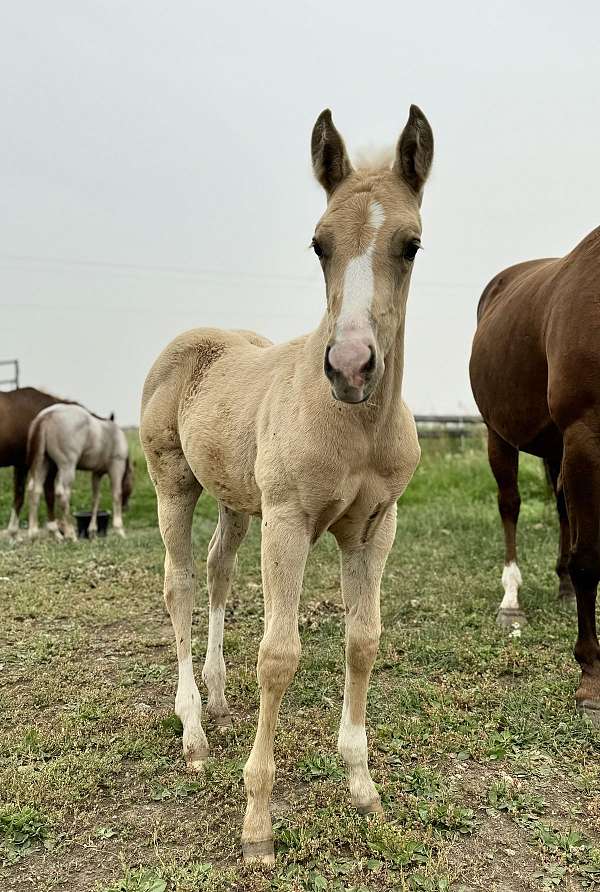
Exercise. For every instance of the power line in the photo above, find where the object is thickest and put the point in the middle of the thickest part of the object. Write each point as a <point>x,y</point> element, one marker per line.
<point>215,274</point>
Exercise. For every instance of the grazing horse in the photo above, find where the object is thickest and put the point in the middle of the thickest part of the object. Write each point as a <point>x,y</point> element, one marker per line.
<point>535,374</point>
<point>311,436</point>
<point>70,437</point>
<point>18,408</point>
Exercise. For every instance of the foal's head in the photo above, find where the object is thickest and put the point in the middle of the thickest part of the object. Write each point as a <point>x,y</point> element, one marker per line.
<point>367,240</point>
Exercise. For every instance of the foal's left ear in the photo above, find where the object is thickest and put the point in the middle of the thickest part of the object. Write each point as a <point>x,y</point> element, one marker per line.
<point>330,160</point>
<point>112,416</point>
<point>414,152</point>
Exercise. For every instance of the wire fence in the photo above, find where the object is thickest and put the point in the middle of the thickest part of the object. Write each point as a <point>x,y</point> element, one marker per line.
<point>435,426</point>
<point>14,381</point>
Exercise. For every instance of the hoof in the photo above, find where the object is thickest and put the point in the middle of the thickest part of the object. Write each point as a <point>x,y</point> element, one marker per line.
<point>566,592</point>
<point>223,722</point>
<point>591,710</point>
<point>196,765</point>
<point>371,808</point>
<point>259,852</point>
<point>509,617</point>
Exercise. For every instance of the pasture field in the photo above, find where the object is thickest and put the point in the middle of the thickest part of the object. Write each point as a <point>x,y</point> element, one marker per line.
<point>489,777</point>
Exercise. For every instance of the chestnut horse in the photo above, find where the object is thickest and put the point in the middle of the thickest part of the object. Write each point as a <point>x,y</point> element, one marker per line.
<point>312,436</point>
<point>18,408</point>
<point>535,374</point>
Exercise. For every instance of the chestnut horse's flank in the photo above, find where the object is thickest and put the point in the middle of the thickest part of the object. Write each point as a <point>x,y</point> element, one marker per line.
<point>268,433</point>
<point>535,373</point>
<point>18,408</point>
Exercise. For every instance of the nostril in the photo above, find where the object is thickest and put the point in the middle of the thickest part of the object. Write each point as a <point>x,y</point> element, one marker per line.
<point>369,365</point>
<point>328,368</point>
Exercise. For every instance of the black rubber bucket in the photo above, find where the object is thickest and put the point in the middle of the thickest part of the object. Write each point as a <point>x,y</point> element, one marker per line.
<point>83,522</point>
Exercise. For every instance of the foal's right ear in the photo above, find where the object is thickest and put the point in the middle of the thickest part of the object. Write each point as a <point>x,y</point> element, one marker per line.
<point>330,160</point>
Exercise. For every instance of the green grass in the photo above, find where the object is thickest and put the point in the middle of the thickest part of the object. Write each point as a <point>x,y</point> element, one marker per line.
<point>489,777</point>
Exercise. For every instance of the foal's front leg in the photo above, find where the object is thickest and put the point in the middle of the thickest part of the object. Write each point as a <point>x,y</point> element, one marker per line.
<point>285,545</point>
<point>362,568</point>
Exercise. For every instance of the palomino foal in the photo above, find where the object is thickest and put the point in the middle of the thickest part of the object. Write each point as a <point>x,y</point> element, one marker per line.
<point>311,436</point>
<point>69,437</point>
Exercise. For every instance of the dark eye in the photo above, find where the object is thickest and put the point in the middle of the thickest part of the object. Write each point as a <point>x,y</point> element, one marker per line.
<point>317,248</point>
<point>410,250</point>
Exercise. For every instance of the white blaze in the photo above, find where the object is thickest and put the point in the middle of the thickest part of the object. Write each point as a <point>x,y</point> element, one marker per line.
<point>359,283</point>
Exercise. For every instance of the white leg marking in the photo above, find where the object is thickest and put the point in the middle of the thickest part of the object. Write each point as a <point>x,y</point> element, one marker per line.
<point>13,523</point>
<point>188,707</point>
<point>352,747</point>
<point>511,580</point>
<point>214,671</point>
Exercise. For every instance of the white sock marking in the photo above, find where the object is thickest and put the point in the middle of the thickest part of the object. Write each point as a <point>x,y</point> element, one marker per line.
<point>511,580</point>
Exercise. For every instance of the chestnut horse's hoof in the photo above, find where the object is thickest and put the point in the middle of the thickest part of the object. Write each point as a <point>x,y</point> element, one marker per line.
<point>591,710</point>
<point>508,617</point>
<point>566,592</point>
<point>259,852</point>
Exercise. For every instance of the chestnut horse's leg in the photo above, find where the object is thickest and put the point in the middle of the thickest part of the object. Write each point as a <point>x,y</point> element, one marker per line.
<point>362,569</point>
<point>504,462</point>
<point>285,545</point>
<point>565,587</point>
<point>19,477</point>
<point>220,567</point>
<point>49,483</point>
<point>581,481</point>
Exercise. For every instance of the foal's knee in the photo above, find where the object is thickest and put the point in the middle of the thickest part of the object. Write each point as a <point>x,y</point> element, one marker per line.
<point>277,664</point>
<point>361,649</point>
<point>176,583</point>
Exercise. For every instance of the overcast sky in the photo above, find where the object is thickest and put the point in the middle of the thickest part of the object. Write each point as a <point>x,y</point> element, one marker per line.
<point>155,173</point>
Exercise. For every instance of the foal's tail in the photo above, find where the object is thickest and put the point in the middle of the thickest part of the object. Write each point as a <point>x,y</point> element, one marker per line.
<point>36,442</point>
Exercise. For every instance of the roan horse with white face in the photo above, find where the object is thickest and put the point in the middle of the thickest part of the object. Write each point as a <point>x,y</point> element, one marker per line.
<point>311,435</point>
<point>70,437</point>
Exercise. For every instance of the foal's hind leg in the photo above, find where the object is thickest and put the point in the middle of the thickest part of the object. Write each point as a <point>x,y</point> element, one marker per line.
<point>177,492</point>
<point>220,566</point>
<point>504,462</point>
<point>565,586</point>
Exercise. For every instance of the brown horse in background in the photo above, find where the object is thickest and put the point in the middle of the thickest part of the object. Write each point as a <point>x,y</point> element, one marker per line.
<point>535,374</point>
<point>18,408</point>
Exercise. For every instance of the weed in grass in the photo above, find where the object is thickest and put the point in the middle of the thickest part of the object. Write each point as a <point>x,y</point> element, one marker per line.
<point>141,880</point>
<point>23,830</point>
<point>318,767</point>
<point>504,796</point>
